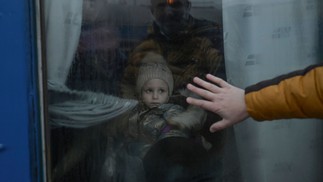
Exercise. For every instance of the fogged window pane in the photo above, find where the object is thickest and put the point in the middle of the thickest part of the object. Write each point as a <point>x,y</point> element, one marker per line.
<point>117,74</point>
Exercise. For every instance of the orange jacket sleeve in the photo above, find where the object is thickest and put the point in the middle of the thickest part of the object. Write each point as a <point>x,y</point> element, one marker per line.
<point>298,94</point>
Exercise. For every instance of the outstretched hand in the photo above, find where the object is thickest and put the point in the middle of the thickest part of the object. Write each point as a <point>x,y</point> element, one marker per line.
<point>225,100</point>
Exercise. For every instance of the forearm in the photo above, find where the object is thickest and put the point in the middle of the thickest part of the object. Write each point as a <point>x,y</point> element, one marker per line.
<point>295,95</point>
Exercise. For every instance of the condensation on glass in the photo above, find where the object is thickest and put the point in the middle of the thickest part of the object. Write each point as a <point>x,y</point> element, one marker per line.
<point>102,54</point>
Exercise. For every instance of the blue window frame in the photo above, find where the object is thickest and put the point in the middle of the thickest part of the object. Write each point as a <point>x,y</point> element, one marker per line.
<point>20,131</point>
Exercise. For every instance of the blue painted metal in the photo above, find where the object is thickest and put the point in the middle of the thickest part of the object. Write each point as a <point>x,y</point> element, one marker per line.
<point>20,159</point>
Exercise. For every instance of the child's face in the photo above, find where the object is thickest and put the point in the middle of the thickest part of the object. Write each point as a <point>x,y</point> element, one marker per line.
<point>154,93</point>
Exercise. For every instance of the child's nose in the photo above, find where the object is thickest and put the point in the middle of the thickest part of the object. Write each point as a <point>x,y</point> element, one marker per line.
<point>155,95</point>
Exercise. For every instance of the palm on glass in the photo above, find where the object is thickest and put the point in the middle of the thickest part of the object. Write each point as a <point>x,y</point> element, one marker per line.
<point>221,98</point>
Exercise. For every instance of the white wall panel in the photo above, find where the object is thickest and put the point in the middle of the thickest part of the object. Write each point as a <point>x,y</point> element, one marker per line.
<point>264,39</point>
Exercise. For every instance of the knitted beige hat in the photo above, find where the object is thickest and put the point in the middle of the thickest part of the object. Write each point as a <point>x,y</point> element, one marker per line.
<point>154,67</point>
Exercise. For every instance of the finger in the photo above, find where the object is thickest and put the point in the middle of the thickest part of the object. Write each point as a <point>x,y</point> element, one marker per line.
<point>204,104</point>
<point>201,92</point>
<point>218,81</point>
<point>220,125</point>
<point>208,86</point>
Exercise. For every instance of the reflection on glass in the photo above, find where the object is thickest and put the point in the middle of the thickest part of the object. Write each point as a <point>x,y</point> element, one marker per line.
<point>118,109</point>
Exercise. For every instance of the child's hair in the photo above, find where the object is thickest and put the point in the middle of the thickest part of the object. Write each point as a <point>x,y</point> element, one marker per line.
<point>154,66</point>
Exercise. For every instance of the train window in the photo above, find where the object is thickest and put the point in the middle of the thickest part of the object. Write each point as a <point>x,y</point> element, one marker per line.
<point>117,72</point>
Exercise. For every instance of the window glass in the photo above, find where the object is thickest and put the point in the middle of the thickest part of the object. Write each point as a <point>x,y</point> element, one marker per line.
<point>117,73</point>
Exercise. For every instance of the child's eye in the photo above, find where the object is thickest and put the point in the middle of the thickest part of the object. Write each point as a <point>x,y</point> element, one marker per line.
<point>148,91</point>
<point>161,91</point>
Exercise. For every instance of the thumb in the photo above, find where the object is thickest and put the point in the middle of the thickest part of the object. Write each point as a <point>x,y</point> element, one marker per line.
<point>220,125</point>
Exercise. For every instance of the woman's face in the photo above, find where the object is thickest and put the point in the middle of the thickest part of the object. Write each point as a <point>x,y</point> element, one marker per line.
<point>154,93</point>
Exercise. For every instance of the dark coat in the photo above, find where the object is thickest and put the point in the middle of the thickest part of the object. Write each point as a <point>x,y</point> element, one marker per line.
<point>196,52</point>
